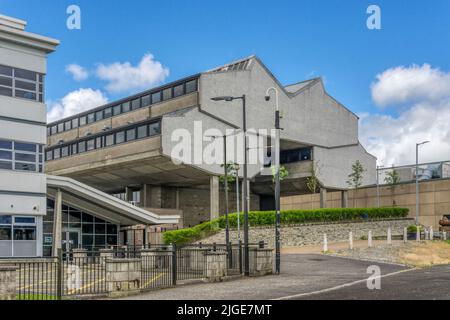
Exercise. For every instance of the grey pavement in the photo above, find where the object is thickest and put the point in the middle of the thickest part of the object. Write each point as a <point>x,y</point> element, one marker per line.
<point>422,284</point>
<point>301,273</point>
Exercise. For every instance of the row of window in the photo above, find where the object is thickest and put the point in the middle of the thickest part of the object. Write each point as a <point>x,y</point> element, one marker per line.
<point>17,228</point>
<point>295,155</point>
<point>19,83</point>
<point>105,140</point>
<point>21,156</point>
<point>140,102</point>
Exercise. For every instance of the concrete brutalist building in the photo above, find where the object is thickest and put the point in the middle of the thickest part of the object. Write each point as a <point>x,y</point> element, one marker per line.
<point>125,148</point>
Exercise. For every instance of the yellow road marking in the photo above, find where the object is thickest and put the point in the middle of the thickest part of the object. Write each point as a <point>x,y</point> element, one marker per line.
<point>153,279</point>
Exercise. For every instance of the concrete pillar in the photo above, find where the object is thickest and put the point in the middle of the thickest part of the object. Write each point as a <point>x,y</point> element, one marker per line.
<point>261,261</point>
<point>146,236</point>
<point>214,197</point>
<point>216,265</point>
<point>79,256</point>
<point>8,282</point>
<point>151,196</point>
<point>344,199</point>
<point>128,194</point>
<point>57,223</point>
<point>106,254</point>
<point>323,197</point>
<point>123,276</point>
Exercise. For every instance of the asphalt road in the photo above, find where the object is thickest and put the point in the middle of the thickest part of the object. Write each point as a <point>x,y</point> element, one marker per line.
<point>301,274</point>
<point>423,284</point>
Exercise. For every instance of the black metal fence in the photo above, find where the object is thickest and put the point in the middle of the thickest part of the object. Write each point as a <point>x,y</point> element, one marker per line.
<point>76,273</point>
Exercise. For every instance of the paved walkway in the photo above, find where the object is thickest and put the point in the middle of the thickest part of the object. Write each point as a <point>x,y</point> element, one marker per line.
<point>301,273</point>
<point>333,246</point>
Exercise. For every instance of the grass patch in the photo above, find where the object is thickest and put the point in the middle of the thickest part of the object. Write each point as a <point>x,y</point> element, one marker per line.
<point>267,218</point>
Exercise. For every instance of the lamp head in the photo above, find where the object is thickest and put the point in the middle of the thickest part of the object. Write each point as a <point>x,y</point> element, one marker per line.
<point>267,97</point>
<point>224,98</point>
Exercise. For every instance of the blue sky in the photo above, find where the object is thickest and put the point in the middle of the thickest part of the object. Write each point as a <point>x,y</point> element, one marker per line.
<point>295,39</point>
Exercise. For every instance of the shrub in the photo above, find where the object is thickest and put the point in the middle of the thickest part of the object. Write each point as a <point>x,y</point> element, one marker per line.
<point>263,218</point>
<point>413,228</point>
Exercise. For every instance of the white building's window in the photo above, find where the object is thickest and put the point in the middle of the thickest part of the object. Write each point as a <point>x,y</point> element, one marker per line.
<point>19,83</point>
<point>21,156</point>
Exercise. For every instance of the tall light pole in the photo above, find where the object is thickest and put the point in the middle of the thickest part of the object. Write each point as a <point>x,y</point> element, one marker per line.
<point>378,185</point>
<point>245,191</point>
<point>277,179</point>
<point>417,179</point>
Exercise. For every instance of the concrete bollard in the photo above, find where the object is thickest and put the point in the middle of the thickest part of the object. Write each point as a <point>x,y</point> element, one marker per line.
<point>325,243</point>
<point>431,233</point>
<point>369,239</point>
<point>427,234</point>
<point>444,235</point>
<point>350,240</point>
<point>389,236</point>
<point>405,235</point>
<point>417,234</point>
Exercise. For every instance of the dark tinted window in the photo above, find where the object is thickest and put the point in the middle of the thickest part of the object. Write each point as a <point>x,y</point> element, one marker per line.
<point>178,90</point>
<point>108,112</point>
<point>5,144</point>
<point>120,137</point>
<point>25,85</point>
<point>75,123</point>
<point>25,157</point>
<point>24,166</point>
<point>116,110</point>
<point>90,145</point>
<point>68,125</point>
<point>6,81</point>
<point>82,120</point>
<point>25,94</point>
<point>25,74</point>
<point>25,146</point>
<point>131,134</point>
<point>7,71</point>
<point>154,128</point>
<point>135,104</point>
<point>109,140</point>
<point>90,117</point>
<point>191,86</point>
<point>99,115</point>
<point>5,91</point>
<point>145,100</point>
<point>156,97</point>
<point>5,155</point>
<point>5,165</point>
<point>141,132</point>
<point>81,146</point>
<point>126,106</point>
<point>167,94</point>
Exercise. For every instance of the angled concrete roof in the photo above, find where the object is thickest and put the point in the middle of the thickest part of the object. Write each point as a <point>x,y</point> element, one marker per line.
<point>105,205</point>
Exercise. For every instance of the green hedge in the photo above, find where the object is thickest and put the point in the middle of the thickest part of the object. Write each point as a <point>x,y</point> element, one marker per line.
<point>264,218</point>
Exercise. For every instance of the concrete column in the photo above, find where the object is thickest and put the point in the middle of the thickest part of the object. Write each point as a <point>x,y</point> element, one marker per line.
<point>214,197</point>
<point>122,276</point>
<point>151,196</point>
<point>8,282</point>
<point>57,223</point>
<point>146,236</point>
<point>128,194</point>
<point>323,197</point>
<point>344,199</point>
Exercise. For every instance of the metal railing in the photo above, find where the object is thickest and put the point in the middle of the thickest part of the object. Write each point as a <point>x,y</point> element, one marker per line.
<point>81,273</point>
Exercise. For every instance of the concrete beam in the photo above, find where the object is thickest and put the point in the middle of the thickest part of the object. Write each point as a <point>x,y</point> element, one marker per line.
<point>214,197</point>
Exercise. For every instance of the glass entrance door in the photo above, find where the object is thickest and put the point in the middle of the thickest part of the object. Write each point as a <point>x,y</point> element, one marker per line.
<point>70,240</point>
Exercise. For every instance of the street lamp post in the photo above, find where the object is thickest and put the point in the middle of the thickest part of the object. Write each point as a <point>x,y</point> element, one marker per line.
<point>277,180</point>
<point>417,179</point>
<point>245,191</point>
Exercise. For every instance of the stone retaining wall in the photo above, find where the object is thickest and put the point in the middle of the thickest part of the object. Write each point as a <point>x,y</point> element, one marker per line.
<point>301,235</point>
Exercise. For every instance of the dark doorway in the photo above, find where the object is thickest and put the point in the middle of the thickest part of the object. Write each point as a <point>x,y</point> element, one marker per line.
<point>266,203</point>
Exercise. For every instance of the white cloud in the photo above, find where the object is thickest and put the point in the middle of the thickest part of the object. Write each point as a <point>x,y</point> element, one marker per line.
<point>410,84</point>
<point>426,93</point>
<point>78,72</point>
<point>123,77</point>
<point>75,102</point>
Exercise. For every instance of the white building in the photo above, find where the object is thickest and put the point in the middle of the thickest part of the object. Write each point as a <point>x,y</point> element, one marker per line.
<point>22,137</point>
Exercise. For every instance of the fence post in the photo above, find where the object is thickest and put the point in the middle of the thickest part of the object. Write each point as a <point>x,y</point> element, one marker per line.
<point>405,235</point>
<point>350,240</point>
<point>417,233</point>
<point>59,276</point>
<point>369,239</point>
<point>174,264</point>
<point>240,256</point>
<point>389,236</point>
<point>444,235</point>
<point>325,243</point>
<point>431,233</point>
<point>230,254</point>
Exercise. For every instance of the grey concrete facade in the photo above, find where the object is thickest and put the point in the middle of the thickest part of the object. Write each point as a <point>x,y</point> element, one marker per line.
<point>312,120</point>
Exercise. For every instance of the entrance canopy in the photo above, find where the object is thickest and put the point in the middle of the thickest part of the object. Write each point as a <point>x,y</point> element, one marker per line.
<point>101,204</point>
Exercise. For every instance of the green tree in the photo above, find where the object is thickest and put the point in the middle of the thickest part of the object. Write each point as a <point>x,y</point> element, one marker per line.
<point>231,174</point>
<point>283,173</point>
<point>355,178</point>
<point>392,177</point>
<point>312,182</point>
